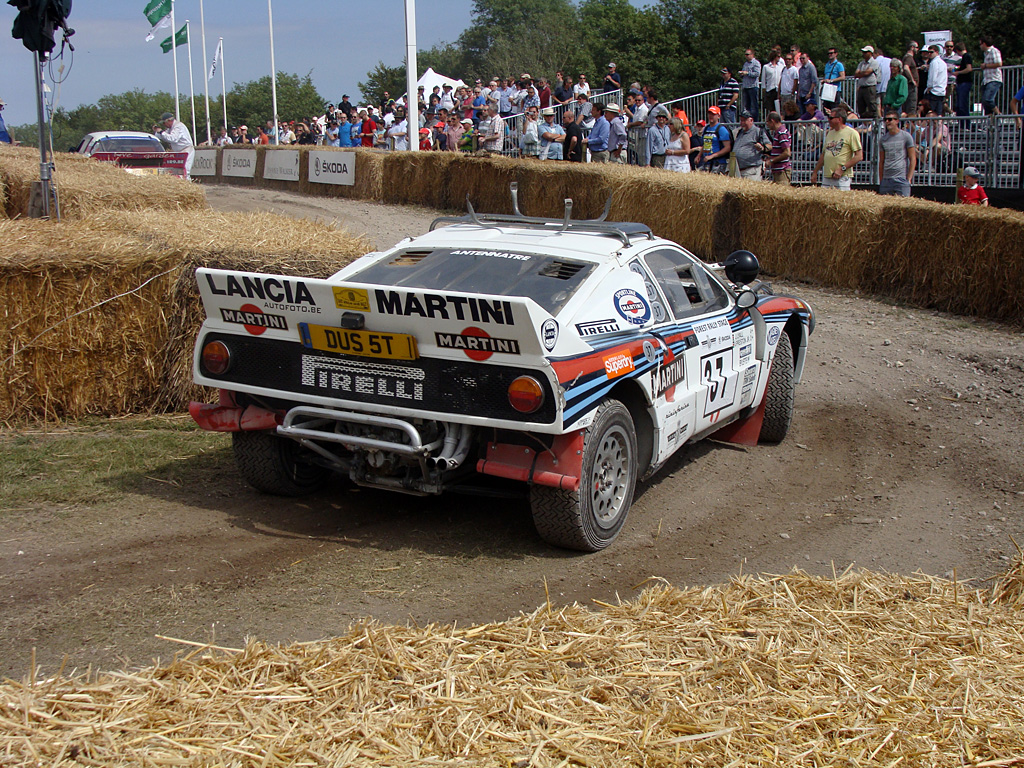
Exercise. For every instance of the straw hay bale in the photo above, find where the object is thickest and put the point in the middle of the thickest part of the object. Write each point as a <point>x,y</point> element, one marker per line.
<point>862,669</point>
<point>96,320</point>
<point>86,186</point>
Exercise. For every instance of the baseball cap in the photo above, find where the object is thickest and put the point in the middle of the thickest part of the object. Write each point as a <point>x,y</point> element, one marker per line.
<point>3,103</point>
<point>867,49</point>
<point>745,113</point>
<point>970,170</point>
<point>166,116</point>
<point>726,71</point>
<point>466,121</point>
<point>424,131</point>
<point>714,110</point>
<point>611,63</point>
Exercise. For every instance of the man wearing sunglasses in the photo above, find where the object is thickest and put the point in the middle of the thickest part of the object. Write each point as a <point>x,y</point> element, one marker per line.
<point>897,158</point>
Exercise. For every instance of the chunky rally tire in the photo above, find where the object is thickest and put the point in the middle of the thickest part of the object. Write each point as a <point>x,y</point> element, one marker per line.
<point>274,464</point>
<point>779,395</point>
<point>589,519</point>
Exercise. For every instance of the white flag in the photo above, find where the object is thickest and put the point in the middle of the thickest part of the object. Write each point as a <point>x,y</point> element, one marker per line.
<point>216,58</point>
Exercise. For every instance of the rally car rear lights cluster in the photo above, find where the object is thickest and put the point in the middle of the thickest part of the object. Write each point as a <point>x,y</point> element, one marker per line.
<point>525,394</point>
<point>216,357</point>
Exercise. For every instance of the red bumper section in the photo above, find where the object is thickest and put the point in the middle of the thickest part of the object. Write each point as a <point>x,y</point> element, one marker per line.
<point>559,467</point>
<point>228,416</point>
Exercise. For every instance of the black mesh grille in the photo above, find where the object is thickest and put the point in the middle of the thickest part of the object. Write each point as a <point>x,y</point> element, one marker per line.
<point>445,386</point>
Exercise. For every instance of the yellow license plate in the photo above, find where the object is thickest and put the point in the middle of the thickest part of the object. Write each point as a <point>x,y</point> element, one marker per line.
<point>392,346</point>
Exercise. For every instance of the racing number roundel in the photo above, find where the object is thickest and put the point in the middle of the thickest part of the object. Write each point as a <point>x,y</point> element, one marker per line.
<point>632,307</point>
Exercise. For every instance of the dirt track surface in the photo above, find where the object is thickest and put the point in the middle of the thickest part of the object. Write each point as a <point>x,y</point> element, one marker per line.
<point>905,454</point>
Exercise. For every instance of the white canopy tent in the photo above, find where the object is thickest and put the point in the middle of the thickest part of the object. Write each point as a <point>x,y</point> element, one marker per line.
<point>431,78</point>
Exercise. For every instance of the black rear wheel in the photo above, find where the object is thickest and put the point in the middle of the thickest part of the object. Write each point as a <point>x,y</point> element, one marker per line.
<point>276,465</point>
<point>780,394</point>
<point>589,519</point>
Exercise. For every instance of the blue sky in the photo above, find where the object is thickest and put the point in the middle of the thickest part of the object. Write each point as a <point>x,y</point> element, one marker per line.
<point>339,40</point>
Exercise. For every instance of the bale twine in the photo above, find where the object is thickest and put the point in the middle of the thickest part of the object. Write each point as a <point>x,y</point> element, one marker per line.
<point>796,670</point>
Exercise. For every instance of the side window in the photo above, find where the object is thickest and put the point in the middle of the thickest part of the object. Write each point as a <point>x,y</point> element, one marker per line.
<point>687,288</point>
<point>657,307</point>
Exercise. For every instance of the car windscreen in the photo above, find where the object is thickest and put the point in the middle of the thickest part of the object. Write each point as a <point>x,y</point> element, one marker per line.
<point>548,280</point>
<point>128,144</point>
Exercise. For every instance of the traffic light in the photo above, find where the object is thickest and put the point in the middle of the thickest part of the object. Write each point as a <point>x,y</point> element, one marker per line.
<point>37,21</point>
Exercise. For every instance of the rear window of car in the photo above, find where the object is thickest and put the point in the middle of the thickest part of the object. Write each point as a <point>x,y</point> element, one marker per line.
<point>128,144</point>
<point>548,280</point>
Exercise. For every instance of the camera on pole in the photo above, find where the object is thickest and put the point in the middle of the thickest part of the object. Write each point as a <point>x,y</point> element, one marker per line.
<point>38,21</point>
<point>36,25</point>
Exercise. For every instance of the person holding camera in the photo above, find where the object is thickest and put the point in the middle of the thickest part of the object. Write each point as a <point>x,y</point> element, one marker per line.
<point>176,136</point>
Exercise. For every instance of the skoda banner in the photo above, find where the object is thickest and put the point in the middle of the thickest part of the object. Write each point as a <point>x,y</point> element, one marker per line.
<point>238,162</point>
<point>281,164</point>
<point>327,167</point>
<point>204,163</point>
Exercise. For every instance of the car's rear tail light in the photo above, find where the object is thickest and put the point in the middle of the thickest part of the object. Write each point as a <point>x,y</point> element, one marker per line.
<point>216,357</point>
<point>525,394</point>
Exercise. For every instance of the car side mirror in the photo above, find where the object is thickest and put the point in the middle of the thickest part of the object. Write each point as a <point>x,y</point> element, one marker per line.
<point>746,299</point>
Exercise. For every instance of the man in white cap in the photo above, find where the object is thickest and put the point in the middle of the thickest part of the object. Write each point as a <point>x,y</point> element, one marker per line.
<point>5,137</point>
<point>551,135</point>
<point>612,80</point>
<point>617,139</point>
<point>176,136</point>
<point>868,73</point>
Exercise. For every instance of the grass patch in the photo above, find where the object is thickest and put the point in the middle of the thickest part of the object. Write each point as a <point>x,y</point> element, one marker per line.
<point>99,460</point>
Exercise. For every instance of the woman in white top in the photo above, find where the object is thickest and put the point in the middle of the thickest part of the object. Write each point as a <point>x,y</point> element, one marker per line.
<point>677,156</point>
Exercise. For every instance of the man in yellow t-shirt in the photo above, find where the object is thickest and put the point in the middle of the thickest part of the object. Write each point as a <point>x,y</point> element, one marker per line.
<point>842,151</point>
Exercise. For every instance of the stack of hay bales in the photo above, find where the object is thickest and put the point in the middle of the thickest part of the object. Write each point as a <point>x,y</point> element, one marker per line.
<point>86,186</point>
<point>860,669</point>
<point>953,258</point>
<point>101,310</point>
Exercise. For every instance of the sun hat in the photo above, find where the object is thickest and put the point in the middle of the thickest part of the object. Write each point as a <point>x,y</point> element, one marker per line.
<point>613,107</point>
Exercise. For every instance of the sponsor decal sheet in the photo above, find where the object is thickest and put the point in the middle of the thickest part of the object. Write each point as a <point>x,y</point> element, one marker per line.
<point>454,325</point>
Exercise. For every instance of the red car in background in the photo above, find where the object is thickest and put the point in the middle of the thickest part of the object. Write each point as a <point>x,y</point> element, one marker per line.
<point>137,152</point>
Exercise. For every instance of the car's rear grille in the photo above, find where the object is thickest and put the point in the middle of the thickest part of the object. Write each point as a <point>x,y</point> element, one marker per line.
<point>429,384</point>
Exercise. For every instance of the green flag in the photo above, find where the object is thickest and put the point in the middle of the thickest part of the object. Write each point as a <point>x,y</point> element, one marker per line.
<point>158,12</point>
<point>179,39</point>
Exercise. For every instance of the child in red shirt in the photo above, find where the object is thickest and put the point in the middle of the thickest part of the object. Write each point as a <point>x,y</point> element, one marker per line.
<point>971,192</point>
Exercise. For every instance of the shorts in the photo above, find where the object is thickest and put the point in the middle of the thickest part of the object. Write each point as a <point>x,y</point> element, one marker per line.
<point>783,177</point>
<point>842,183</point>
<point>753,172</point>
<point>899,187</point>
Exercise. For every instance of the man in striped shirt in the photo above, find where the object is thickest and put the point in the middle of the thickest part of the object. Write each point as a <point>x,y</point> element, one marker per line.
<point>779,163</point>
<point>728,93</point>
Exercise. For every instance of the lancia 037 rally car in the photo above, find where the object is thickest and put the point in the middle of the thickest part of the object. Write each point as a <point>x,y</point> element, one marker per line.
<point>572,355</point>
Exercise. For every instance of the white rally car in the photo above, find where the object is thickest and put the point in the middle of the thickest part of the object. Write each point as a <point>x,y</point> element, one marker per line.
<point>574,356</point>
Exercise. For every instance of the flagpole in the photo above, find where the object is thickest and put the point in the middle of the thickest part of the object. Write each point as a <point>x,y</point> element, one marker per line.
<point>206,79</point>
<point>273,69</point>
<point>174,56</point>
<point>411,101</point>
<point>223,88</point>
<point>191,82</point>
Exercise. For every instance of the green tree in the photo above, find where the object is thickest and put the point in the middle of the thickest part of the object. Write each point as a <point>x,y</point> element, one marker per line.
<point>383,79</point>
<point>1003,22</point>
<point>252,103</point>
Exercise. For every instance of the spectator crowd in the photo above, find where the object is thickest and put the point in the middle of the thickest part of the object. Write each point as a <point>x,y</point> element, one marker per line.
<point>571,120</point>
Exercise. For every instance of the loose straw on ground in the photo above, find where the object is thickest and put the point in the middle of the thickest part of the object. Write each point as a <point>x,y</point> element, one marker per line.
<point>863,669</point>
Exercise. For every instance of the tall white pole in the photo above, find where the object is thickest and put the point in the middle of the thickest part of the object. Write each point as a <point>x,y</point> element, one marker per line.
<point>273,70</point>
<point>411,101</point>
<point>206,77</point>
<point>174,57</point>
<point>223,88</point>
<point>191,82</point>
